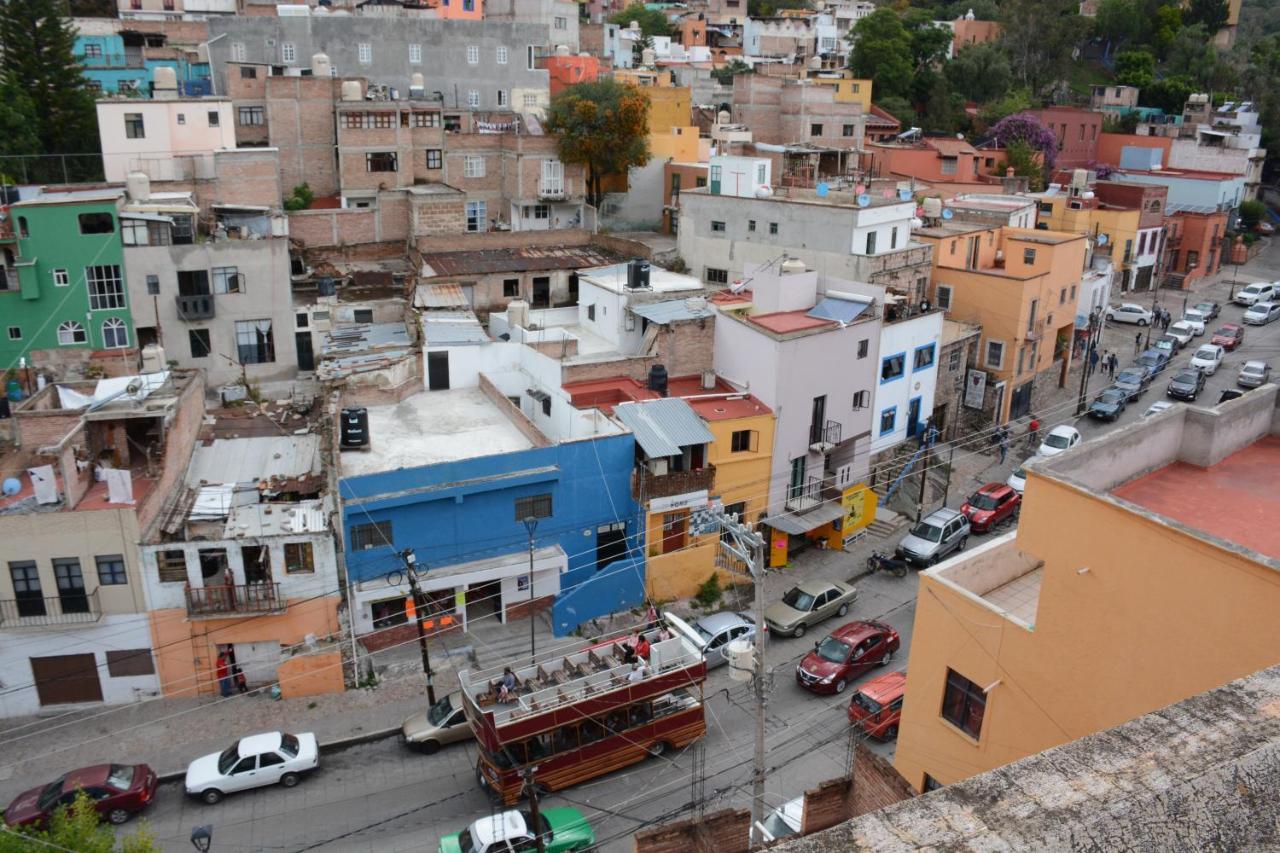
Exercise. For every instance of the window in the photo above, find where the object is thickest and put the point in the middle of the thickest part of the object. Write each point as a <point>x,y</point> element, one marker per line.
<point>716,276</point>
<point>380,161</point>
<point>502,55</point>
<point>847,130</point>
<point>435,158</point>
<point>773,228</point>
<point>92,51</point>
<point>1031,315</point>
<point>530,57</point>
<point>944,297</point>
<point>133,126</point>
<point>1062,296</point>
<point>288,53</point>
<point>15,333</point>
<point>302,320</point>
<point>199,341</point>
<point>871,243</point>
<point>248,73</point>
<point>237,51</point>
<point>381,120</point>
<point>193,283</point>
<point>111,570</point>
<point>561,23</point>
<point>476,216</point>
<point>421,119</point>
<point>717,226</point>
<point>364,53</point>
<point>70,333</point>
<point>1046,207</point>
<point>114,334</point>
<point>473,55</point>
<point>861,400</point>
<point>924,358</point>
<point>930,784</point>
<point>963,704</point>
<point>744,441</point>
<point>373,535</point>
<point>954,360</point>
<point>97,223</point>
<point>126,662</point>
<point>591,312</point>
<point>864,346</point>
<point>530,100</point>
<point>254,342</point>
<point>172,566</point>
<point>751,225</point>
<point>106,289</point>
<point>502,97</point>
<point>362,315</point>
<point>995,354</point>
<point>888,418</point>
<point>538,211</point>
<point>510,288</point>
<point>250,116</point>
<point>298,558</point>
<point>815,130</point>
<point>135,232</point>
<point>215,120</point>
<point>473,166</point>
<point>61,278</point>
<point>415,54</point>
<point>893,367</point>
<point>534,506</point>
<point>227,280</point>
<point>71,592</point>
<point>473,99</point>
<point>893,237</point>
<point>1028,256</point>
<point>760,173</point>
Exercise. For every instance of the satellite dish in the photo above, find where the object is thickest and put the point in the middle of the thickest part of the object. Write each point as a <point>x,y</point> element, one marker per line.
<point>864,200</point>
<point>1103,240</point>
<point>822,190</point>
<point>904,194</point>
<point>947,213</point>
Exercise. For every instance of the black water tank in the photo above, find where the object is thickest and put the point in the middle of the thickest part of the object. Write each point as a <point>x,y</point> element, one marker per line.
<point>658,379</point>
<point>355,428</point>
<point>637,274</point>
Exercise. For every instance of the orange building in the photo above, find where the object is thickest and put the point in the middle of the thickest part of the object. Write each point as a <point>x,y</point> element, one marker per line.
<point>933,159</point>
<point>1193,246</point>
<point>567,70</point>
<point>675,178</point>
<point>969,31</point>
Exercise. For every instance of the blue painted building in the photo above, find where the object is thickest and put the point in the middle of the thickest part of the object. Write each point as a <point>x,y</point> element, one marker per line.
<point>451,474</point>
<point>116,64</point>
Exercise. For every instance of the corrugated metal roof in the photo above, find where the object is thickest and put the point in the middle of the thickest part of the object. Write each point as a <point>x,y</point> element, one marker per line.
<point>364,337</point>
<point>663,426</point>
<point>673,310</point>
<point>245,460</point>
<point>268,519</point>
<point>798,523</point>
<point>440,296</point>
<point>452,328</point>
<point>525,259</point>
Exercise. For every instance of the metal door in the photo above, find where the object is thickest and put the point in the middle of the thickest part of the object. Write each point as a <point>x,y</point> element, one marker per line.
<point>258,661</point>
<point>306,356</point>
<point>66,678</point>
<point>438,371</point>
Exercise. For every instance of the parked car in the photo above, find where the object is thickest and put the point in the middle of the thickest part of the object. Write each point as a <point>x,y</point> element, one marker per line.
<point>1168,344</point>
<point>1182,332</point>
<point>782,822</point>
<point>1109,405</point>
<point>1157,407</point>
<point>1186,385</point>
<point>993,504</point>
<point>713,632</point>
<point>845,654</point>
<point>1208,308</point>
<point>119,791</point>
<point>1253,373</point>
<point>1228,337</point>
<point>807,604</point>
<point>1129,313</point>
<point>253,762</point>
<point>1133,381</point>
<point>1153,360</point>
<point>562,829</point>
<point>442,723</point>
<point>1059,439</point>
<point>1208,358</point>
<point>1263,227</point>
<point>876,707</point>
<point>1262,313</point>
<point>1195,320</point>
<point>937,535</point>
<point>1017,480</point>
<point>1259,291</point>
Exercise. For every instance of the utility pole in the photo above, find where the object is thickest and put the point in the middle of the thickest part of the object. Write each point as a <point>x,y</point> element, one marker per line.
<point>531,789</point>
<point>1090,344</point>
<point>531,525</point>
<point>946,486</point>
<point>419,606</point>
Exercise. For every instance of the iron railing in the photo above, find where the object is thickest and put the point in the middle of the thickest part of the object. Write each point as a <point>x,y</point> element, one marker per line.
<point>234,598</point>
<point>645,484</point>
<point>68,609</point>
<point>195,307</point>
<point>828,433</point>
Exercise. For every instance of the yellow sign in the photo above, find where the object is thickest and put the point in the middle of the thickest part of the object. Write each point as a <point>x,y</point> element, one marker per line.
<point>859,504</point>
<point>459,597</point>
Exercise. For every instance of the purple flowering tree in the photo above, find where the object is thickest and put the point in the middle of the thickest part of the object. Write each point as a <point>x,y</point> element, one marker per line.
<point>1026,128</point>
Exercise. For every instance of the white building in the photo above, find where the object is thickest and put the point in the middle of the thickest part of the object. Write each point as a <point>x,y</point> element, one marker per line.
<point>167,138</point>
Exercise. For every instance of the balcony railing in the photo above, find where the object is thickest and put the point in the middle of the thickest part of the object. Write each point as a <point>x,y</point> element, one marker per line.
<point>195,307</point>
<point>232,599</point>
<point>824,437</point>
<point>649,485</point>
<point>814,492</point>
<point>67,609</point>
<point>552,190</point>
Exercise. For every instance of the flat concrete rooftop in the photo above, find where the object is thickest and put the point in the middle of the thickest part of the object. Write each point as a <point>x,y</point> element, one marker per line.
<point>431,427</point>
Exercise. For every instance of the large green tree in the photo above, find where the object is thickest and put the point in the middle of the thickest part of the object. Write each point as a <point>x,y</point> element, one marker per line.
<point>1135,68</point>
<point>652,22</point>
<point>37,60</point>
<point>1119,22</point>
<point>929,42</point>
<point>882,50</point>
<point>604,126</point>
<point>1212,14</point>
<point>1041,37</point>
<point>980,72</point>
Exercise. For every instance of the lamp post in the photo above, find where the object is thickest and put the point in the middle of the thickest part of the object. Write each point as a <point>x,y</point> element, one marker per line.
<point>531,525</point>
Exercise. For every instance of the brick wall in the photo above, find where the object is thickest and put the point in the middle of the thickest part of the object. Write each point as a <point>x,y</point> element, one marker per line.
<point>684,348</point>
<point>439,215</point>
<point>826,805</point>
<point>727,831</point>
<point>180,439</point>
<point>300,123</point>
<point>521,610</point>
<point>44,428</point>
<point>244,176</point>
<point>876,784</point>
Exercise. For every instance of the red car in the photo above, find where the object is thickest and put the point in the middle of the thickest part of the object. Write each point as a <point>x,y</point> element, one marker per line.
<point>848,652</point>
<point>993,504</point>
<point>1228,337</point>
<point>120,792</point>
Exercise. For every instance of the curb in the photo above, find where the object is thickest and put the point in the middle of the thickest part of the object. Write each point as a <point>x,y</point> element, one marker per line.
<point>331,746</point>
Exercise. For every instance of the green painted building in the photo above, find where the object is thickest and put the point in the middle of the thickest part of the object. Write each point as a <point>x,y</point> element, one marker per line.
<point>69,291</point>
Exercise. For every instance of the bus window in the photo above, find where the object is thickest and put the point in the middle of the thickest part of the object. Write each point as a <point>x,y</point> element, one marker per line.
<point>537,747</point>
<point>616,721</point>
<point>566,738</point>
<point>640,714</point>
<point>511,755</point>
<point>591,731</point>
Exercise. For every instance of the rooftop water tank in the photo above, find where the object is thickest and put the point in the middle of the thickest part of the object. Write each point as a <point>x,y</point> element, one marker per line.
<point>562,50</point>
<point>320,65</point>
<point>351,90</point>
<point>741,655</point>
<point>791,266</point>
<point>658,379</point>
<point>164,83</point>
<point>138,186</point>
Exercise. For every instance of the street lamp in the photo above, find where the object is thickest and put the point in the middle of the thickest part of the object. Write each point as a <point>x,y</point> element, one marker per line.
<point>202,837</point>
<point>531,525</point>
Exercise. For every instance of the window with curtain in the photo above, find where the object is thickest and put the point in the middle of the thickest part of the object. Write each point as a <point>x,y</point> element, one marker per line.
<point>254,342</point>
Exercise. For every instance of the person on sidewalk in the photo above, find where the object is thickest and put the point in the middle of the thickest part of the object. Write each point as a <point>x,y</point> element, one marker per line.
<point>1004,447</point>
<point>1113,362</point>
<point>224,675</point>
<point>1093,360</point>
<point>1033,431</point>
<point>1137,343</point>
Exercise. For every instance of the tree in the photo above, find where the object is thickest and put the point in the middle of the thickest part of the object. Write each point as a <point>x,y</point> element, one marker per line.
<point>78,828</point>
<point>724,74</point>
<point>929,42</point>
<point>652,22</point>
<point>943,108</point>
<point>1213,14</point>
<point>1013,101</point>
<point>1041,37</point>
<point>768,8</point>
<point>898,107</point>
<point>602,125</point>
<point>1026,128</point>
<point>1135,68</point>
<point>882,51</point>
<point>1169,94</point>
<point>1167,22</point>
<point>1021,157</point>
<point>37,59</point>
<point>1191,54</point>
<point>980,72</point>
<point>17,125</point>
<point>1119,22</point>
<point>1251,213</point>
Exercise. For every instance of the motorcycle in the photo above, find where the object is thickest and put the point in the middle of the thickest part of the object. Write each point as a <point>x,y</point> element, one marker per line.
<point>878,562</point>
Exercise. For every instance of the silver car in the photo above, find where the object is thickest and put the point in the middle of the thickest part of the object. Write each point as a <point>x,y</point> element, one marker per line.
<point>936,536</point>
<point>1253,374</point>
<point>713,633</point>
<point>444,722</point>
<point>808,603</point>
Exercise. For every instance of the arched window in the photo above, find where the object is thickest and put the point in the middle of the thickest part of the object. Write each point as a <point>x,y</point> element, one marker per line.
<point>70,333</point>
<point>114,333</point>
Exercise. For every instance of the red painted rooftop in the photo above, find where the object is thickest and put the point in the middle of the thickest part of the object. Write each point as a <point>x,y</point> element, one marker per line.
<point>604,394</point>
<point>1235,500</point>
<point>785,322</point>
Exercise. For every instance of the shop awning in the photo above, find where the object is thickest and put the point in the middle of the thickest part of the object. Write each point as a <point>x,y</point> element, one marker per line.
<point>796,523</point>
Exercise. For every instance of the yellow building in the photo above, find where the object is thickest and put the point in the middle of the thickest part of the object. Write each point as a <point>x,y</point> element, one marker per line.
<point>1022,286</point>
<point>1115,229</point>
<point>1145,569</point>
<point>849,90</point>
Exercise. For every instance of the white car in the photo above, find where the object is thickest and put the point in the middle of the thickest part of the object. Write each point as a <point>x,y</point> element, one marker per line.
<point>1253,374</point>
<point>1017,480</point>
<point>781,822</point>
<point>1262,313</point>
<point>1129,313</point>
<point>1182,332</point>
<point>1158,407</point>
<point>253,762</point>
<point>1208,358</point>
<point>1195,320</point>
<point>1259,291</point>
<point>1059,439</point>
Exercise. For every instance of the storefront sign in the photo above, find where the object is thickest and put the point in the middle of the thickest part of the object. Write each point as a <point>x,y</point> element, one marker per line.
<point>859,504</point>
<point>975,388</point>
<point>688,500</point>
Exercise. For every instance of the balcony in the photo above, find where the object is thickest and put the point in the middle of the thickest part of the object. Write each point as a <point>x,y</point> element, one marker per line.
<point>645,484</point>
<point>195,307</point>
<point>68,609</point>
<point>234,599</point>
<point>823,438</point>
<point>551,191</point>
<point>810,495</point>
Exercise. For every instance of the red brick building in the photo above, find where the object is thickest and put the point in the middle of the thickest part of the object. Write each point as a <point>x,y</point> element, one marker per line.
<point>1077,131</point>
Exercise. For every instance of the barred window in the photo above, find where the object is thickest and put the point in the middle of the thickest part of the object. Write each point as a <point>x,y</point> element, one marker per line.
<point>534,506</point>
<point>373,535</point>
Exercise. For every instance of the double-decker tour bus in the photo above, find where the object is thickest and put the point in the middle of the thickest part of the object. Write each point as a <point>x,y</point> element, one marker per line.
<point>579,715</point>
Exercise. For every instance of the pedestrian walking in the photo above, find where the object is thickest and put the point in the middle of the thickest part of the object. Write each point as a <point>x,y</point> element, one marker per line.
<point>1165,321</point>
<point>1004,447</point>
<point>1093,359</point>
<point>1114,363</point>
<point>1033,431</point>
<point>1137,343</point>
